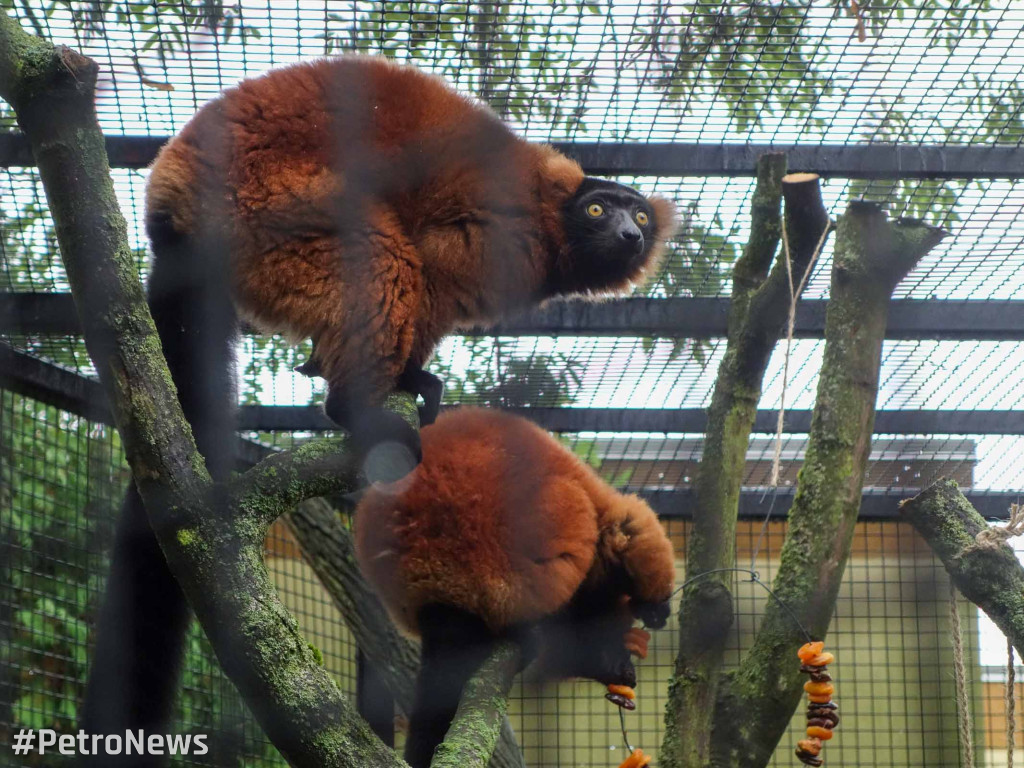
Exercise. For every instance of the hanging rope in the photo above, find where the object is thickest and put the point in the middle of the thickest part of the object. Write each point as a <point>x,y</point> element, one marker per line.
<point>1011,705</point>
<point>794,294</point>
<point>963,704</point>
<point>991,537</point>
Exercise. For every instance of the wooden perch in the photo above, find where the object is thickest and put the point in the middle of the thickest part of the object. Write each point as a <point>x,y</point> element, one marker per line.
<point>327,546</point>
<point>474,731</point>
<point>757,319</point>
<point>213,541</point>
<point>991,577</point>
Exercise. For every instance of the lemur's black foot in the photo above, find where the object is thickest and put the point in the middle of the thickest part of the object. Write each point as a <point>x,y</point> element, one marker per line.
<point>417,381</point>
<point>413,379</point>
<point>310,368</point>
<point>386,445</point>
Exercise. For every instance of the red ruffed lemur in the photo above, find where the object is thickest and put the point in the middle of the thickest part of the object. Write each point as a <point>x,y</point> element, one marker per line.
<point>370,207</point>
<point>502,531</point>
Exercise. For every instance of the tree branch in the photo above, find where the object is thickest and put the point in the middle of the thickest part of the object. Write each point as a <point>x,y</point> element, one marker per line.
<point>316,468</point>
<point>756,701</point>
<point>990,577</point>
<point>474,731</point>
<point>758,312</point>
<point>215,555</point>
<point>327,546</point>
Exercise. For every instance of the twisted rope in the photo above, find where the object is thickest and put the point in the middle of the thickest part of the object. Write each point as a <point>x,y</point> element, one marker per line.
<point>794,296</point>
<point>1011,705</point>
<point>993,536</point>
<point>963,704</point>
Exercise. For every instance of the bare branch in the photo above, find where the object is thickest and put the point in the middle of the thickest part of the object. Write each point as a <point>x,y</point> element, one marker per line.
<point>758,312</point>
<point>991,577</point>
<point>871,256</point>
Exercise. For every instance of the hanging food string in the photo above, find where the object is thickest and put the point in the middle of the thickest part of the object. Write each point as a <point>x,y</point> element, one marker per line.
<point>822,712</point>
<point>636,641</point>
<point>636,760</point>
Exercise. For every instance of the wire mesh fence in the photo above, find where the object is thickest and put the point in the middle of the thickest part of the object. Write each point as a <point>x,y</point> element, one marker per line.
<point>825,75</point>
<point>63,477</point>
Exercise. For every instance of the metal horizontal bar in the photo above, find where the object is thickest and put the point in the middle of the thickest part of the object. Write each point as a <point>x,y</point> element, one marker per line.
<point>53,385</point>
<point>758,504</point>
<point>79,395</point>
<point>54,313</point>
<point>708,317</point>
<point>69,391</point>
<point>694,420</point>
<point>122,151</point>
<point>686,420</point>
<point>859,161</point>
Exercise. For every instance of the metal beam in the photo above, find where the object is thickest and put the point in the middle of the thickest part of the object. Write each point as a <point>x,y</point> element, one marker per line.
<point>53,385</point>
<point>54,313</point>
<point>859,161</point>
<point>70,391</point>
<point>707,318</point>
<point>758,504</point>
<point>122,151</point>
<point>79,395</point>
<point>67,390</point>
<point>685,420</point>
<point>694,420</point>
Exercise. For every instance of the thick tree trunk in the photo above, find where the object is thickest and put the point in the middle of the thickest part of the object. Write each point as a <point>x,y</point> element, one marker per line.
<point>757,318</point>
<point>212,536</point>
<point>756,701</point>
<point>991,577</point>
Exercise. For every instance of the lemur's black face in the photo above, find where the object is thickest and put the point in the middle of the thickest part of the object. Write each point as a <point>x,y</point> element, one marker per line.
<point>610,221</point>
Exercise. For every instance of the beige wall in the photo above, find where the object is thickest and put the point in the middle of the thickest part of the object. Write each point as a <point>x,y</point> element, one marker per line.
<point>890,636</point>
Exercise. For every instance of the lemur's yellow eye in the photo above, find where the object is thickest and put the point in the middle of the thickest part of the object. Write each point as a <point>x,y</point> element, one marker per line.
<point>594,210</point>
<point>641,218</point>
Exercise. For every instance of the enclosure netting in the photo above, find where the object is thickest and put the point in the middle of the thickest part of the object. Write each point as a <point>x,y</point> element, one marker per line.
<point>715,73</point>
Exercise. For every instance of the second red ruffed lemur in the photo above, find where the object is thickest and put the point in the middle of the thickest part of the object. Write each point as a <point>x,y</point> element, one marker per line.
<point>370,207</point>
<point>502,532</point>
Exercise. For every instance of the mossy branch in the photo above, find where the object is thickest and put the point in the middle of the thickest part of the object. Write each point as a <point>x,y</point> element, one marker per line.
<point>214,551</point>
<point>327,546</point>
<point>478,722</point>
<point>756,701</point>
<point>991,577</point>
<point>316,468</point>
<point>758,312</point>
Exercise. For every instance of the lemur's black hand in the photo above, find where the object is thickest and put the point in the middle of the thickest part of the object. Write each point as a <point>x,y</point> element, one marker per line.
<point>654,615</point>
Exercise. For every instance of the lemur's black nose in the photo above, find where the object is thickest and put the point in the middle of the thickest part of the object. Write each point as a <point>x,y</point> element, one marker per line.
<point>630,234</point>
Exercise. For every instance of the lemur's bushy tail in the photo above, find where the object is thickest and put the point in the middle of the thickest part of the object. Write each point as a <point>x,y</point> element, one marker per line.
<point>143,620</point>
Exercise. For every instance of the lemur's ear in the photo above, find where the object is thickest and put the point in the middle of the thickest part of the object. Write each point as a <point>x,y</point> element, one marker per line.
<point>562,173</point>
<point>665,221</point>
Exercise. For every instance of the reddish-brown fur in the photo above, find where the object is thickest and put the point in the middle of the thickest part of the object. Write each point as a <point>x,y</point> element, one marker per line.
<point>370,207</point>
<point>503,521</point>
